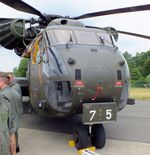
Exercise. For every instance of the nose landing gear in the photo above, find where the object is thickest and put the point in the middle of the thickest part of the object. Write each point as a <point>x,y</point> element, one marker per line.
<point>98,138</point>
<point>81,137</point>
<point>84,138</point>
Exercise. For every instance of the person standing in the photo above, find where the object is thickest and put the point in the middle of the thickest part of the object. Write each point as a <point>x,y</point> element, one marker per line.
<point>14,99</point>
<point>7,130</point>
<point>15,86</point>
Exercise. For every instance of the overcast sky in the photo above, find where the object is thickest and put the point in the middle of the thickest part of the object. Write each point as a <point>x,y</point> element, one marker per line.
<point>133,22</point>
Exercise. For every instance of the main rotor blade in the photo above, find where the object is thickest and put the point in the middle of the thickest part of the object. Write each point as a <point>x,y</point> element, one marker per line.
<point>134,34</point>
<point>22,6</point>
<point>5,19</point>
<point>115,11</point>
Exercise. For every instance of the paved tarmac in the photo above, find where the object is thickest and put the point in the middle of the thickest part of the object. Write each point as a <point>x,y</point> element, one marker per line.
<point>133,123</point>
<point>130,135</point>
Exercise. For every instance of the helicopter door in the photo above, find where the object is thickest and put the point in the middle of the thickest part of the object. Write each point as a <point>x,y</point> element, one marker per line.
<point>58,91</point>
<point>35,71</point>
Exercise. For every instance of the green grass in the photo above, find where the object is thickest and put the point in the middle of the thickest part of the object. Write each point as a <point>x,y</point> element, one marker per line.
<point>140,93</point>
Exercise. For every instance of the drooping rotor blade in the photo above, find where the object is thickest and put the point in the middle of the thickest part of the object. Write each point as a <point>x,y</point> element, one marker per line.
<point>5,19</point>
<point>134,34</point>
<point>22,6</point>
<point>114,11</point>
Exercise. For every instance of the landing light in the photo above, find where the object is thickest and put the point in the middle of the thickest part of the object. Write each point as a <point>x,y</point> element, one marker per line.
<point>79,83</point>
<point>119,83</point>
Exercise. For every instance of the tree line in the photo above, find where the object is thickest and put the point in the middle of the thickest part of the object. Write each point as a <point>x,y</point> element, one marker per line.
<point>20,71</point>
<point>139,66</point>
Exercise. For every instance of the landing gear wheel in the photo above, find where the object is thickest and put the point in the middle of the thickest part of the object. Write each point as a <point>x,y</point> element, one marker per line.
<point>81,136</point>
<point>98,137</point>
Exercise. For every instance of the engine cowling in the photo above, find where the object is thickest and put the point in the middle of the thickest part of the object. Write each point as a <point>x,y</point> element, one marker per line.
<point>14,35</point>
<point>11,33</point>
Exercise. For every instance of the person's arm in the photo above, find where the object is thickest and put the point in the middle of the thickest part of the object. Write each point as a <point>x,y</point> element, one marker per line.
<point>12,130</point>
<point>12,144</point>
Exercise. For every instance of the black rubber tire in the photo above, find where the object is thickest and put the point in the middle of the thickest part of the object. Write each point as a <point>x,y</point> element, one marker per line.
<point>98,138</point>
<point>81,136</point>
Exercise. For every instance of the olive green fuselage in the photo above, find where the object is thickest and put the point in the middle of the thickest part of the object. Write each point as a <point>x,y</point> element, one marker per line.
<point>74,65</point>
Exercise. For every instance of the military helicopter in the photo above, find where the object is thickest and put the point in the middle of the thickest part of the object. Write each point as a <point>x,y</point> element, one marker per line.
<point>73,68</point>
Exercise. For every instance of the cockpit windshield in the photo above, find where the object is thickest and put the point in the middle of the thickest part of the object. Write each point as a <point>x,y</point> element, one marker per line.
<point>57,37</point>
